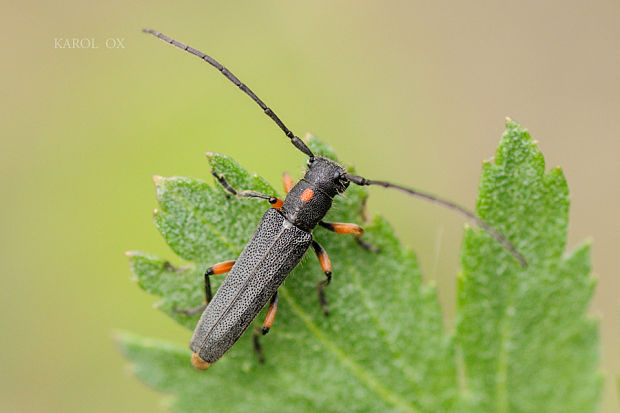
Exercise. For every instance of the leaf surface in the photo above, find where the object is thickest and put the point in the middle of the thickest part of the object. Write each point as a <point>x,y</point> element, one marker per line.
<point>522,341</point>
<point>525,341</point>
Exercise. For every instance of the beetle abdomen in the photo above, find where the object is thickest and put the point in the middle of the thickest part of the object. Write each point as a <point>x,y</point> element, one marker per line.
<point>274,250</point>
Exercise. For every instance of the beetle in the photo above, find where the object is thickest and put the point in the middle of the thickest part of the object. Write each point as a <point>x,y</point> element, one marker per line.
<point>282,237</point>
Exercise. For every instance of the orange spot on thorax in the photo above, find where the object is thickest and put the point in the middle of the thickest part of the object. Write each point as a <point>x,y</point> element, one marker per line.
<point>307,195</point>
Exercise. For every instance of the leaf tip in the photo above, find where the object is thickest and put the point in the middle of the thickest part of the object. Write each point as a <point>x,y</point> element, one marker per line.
<point>122,340</point>
<point>209,154</point>
<point>157,178</point>
<point>515,127</point>
<point>585,247</point>
<point>116,335</point>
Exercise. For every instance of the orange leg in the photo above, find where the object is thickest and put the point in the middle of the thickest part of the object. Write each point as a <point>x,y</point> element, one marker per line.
<point>343,228</point>
<point>271,314</point>
<point>269,318</point>
<point>346,228</point>
<point>287,182</point>
<point>326,265</point>
<point>219,268</point>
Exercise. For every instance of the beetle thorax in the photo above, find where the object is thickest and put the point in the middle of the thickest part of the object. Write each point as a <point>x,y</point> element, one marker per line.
<point>309,200</point>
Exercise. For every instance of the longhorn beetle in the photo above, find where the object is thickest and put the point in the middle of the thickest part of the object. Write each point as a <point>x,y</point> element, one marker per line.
<point>283,236</point>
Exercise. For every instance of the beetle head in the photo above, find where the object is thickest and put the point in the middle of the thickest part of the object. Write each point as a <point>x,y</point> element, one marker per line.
<point>327,175</point>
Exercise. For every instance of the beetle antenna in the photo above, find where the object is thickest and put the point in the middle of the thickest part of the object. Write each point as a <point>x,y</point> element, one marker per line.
<point>448,204</point>
<point>299,144</point>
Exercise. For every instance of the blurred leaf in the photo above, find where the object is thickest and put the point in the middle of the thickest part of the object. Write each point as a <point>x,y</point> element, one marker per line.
<point>522,341</point>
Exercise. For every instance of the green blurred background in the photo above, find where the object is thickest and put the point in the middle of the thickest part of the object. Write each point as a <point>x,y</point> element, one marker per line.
<point>410,91</point>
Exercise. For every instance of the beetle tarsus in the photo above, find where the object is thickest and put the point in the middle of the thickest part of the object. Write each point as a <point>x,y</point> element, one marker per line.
<point>322,298</point>
<point>367,245</point>
<point>222,181</point>
<point>274,201</point>
<point>326,265</point>
<point>258,350</point>
<point>190,311</point>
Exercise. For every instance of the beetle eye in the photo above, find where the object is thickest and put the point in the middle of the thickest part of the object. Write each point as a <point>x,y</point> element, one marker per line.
<point>341,181</point>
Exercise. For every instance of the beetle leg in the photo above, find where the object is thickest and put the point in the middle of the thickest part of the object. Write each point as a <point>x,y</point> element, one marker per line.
<point>271,313</point>
<point>366,245</point>
<point>219,268</point>
<point>346,228</point>
<point>274,201</point>
<point>190,311</point>
<point>326,265</point>
<point>222,181</point>
<point>256,345</point>
<point>287,182</point>
<point>256,333</point>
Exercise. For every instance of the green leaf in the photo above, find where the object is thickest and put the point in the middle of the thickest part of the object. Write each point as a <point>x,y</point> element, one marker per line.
<point>522,341</point>
<point>525,341</point>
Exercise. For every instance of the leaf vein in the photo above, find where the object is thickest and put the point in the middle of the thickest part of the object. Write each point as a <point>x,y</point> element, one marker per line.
<point>359,372</point>
<point>370,306</point>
